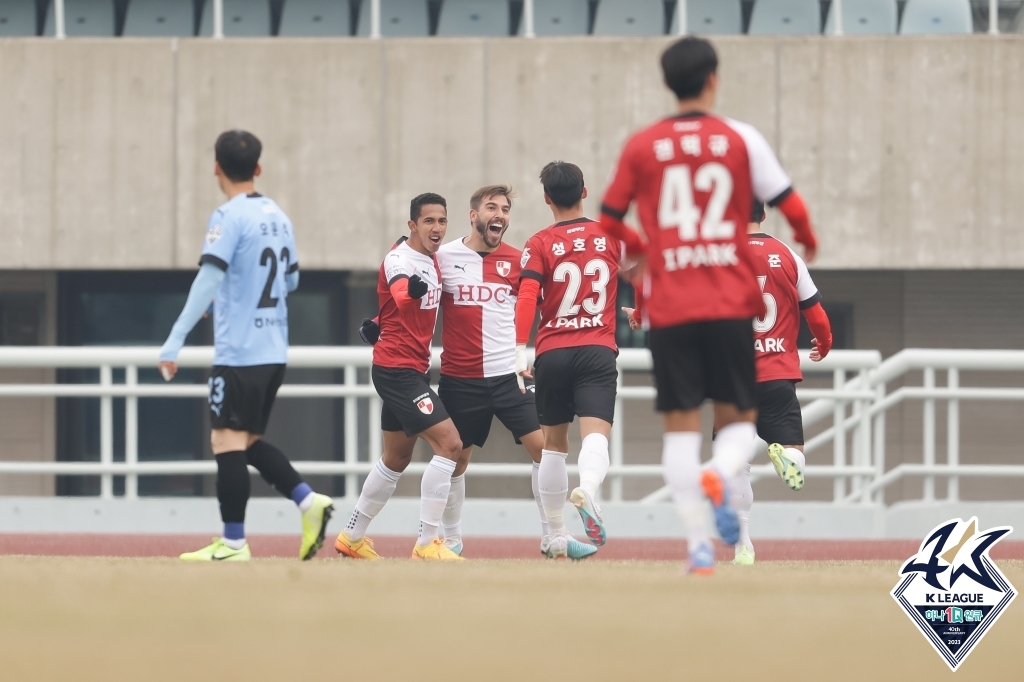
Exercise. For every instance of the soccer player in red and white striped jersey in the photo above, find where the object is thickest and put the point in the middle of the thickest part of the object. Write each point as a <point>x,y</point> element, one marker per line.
<point>694,177</point>
<point>787,290</point>
<point>480,283</point>
<point>409,289</point>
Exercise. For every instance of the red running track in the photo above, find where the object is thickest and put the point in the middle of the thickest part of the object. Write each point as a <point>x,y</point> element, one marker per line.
<point>476,547</point>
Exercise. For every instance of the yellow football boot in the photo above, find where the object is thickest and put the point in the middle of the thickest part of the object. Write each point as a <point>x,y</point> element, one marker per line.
<point>218,551</point>
<point>435,551</point>
<point>314,526</point>
<point>744,556</point>
<point>356,549</point>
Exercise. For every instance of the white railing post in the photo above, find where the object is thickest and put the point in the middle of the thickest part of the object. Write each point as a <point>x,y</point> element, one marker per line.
<point>218,18</point>
<point>58,20</point>
<point>131,433</point>
<point>681,27</point>
<point>839,437</point>
<point>864,436</point>
<point>106,433</point>
<point>993,17</point>
<point>375,19</point>
<point>351,434</point>
<point>953,435</point>
<point>528,26</point>
<point>929,435</point>
<point>837,12</point>
<point>617,455</point>
<point>879,437</point>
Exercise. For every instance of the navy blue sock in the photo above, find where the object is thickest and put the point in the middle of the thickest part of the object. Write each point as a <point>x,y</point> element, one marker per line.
<point>300,492</point>
<point>234,531</point>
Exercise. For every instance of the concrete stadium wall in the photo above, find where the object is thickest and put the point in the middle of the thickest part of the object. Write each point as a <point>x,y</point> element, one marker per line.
<point>909,150</point>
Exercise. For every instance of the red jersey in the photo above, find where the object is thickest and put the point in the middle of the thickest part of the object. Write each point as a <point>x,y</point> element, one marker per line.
<point>694,178</point>
<point>405,336</point>
<point>577,265</point>
<point>478,310</point>
<point>786,288</point>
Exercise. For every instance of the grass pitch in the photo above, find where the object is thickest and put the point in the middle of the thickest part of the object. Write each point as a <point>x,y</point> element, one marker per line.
<point>158,619</point>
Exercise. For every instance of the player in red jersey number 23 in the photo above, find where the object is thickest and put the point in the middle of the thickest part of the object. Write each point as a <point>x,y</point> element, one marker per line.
<point>694,177</point>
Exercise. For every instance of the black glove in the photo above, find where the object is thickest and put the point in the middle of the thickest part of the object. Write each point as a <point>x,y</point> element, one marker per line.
<point>369,331</point>
<point>417,287</point>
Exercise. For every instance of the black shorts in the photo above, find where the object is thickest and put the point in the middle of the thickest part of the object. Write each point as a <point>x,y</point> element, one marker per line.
<point>241,397</point>
<point>701,360</point>
<point>473,404</point>
<point>410,404</point>
<point>778,413</point>
<point>580,382</point>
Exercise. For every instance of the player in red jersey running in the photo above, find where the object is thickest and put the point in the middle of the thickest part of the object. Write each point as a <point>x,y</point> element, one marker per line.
<point>576,265</point>
<point>788,291</point>
<point>409,289</point>
<point>694,177</point>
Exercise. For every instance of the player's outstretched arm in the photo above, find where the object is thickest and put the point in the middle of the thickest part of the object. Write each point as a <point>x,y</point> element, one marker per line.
<point>292,280</point>
<point>793,207</point>
<point>817,320</point>
<point>204,288</point>
<point>613,225</point>
<point>407,291</point>
<point>526,312</point>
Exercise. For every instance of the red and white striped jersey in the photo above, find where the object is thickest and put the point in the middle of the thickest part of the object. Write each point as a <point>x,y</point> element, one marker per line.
<point>786,288</point>
<point>405,336</point>
<point>478,310</point>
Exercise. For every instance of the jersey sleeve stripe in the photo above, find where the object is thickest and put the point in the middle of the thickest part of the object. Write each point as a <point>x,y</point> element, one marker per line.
<point>613,212</point>
<point>396,278</point>
<point>532,275</point>
<point>294,267</point>
<point>782,197</point>
<point>213,260</point>
<point>811,302</point>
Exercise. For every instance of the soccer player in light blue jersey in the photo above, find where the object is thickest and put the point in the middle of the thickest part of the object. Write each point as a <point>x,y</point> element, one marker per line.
<point>248,266</point>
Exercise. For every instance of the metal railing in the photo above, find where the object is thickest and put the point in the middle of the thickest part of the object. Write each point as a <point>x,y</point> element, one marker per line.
<point>856,403</point>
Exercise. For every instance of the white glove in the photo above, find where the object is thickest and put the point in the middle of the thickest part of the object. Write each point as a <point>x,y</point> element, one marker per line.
<point>522,365</point>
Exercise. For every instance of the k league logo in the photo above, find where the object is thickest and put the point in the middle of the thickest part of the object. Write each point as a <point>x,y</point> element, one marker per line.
<point>951,589</point>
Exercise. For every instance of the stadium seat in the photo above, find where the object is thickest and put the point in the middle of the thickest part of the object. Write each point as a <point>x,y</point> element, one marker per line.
<point>159,18</point>
<point>786,18</point>
<point>242,18</point>
<point>710,17</point>
<point>558,18</point>
<point>315,18</point>
<point>865,17</point>
<point>629,18</point>
<point>397,18</point>
<point>84,18</point>
<point>922,17</point>
<point>474,18</point>
<point>17,18</point>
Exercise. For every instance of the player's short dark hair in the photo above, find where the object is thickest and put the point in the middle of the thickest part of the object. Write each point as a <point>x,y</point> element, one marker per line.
<point>417,204</point>
<point>686,65</point>
<point>757,214</point>
<point>563,183</point>
<point>237,153</point>
<point>488,191</point>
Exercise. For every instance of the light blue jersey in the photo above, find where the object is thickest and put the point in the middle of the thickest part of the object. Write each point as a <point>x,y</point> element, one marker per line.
<point>251,239</point>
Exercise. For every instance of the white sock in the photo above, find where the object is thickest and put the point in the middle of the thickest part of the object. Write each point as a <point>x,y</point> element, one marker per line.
<point>680,458</point>
<point>593,463</point>
<point>741,497</point>
<point>234,544</point>
<point>452,517</point>
<point>377,490</point>
<point>545,530</point>
<point>306,503</point>
<point>553,482</point>
<point>734,447</point>
<point>797,457</point>
<point>434,487</point>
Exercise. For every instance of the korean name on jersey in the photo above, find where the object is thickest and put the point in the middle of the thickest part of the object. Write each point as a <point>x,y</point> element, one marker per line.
<point>252,240</point>
<point>694,178</point>
<point>577,264</point>
<point>786,288</point>
<point>478,310</point>
<point>405,337</point>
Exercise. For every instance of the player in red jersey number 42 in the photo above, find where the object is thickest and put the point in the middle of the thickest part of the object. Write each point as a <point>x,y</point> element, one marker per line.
<point>694,178</point>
